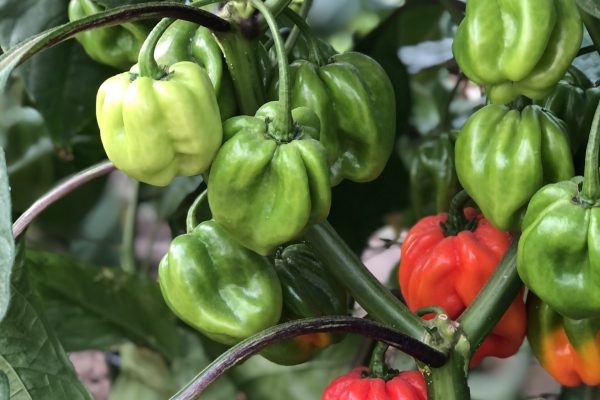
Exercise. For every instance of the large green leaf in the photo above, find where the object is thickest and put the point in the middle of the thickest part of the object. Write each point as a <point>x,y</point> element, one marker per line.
<point>129,304</point>
<point>30,354</point>
<point>7,244</point>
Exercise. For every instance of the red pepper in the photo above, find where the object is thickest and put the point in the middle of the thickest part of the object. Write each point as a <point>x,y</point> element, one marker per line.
<point>444,264</point>
<point>358,385</point>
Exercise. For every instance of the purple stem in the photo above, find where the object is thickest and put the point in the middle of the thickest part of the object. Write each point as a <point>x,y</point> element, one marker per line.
<point>59,192</point>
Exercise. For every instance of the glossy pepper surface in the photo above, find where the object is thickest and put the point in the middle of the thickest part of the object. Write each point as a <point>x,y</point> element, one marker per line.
<point>154,130</point>
<point>558,256</point>
<point>568,349</point>
<point>503,156</point>
<point>309,290</point>
<point>357,385</point>
<point>517,47</point>
<point>354,100</point>
<point>268,184</point>
<point>433,176</point>
<point>448,269</point>
<point>219,287</point>
<point>117,46</point>
<point>186,41</point>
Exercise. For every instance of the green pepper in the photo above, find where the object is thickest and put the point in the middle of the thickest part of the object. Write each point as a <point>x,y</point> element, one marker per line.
<point>504,156</point>
<point>219,287</point>
<point>433,180</point>
<point>354,99</point>
<point>567,349</point>
<point>517,47</point>
<point>558,256</point>
<point>309,290</point>
<point>267,184</point>
<point>117,46</point>
<point>187,41</point>
<point>158,124</point>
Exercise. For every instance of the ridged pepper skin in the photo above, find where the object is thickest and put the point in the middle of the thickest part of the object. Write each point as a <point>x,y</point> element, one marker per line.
<point>186,41</point>
<point>117,46</point>
<point>268,185</point>
<point>566,101</point>
<point>504,156</point>
<point>449,272</point>
<point>354,99</point>
<point>309,290</point>
<point>154,130</point>
<point>567,349</point>
<point>433,180</point>
<point>558,256</point>
<point>357,385</point>
<point>222,289</point>
<point>517,47</point>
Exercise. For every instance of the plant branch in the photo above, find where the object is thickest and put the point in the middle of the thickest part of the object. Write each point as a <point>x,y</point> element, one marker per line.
<point>254,344</point>
<point>128,242</point>
<point>60,191</point>
<point>493,299</point>
<point>347,268</point>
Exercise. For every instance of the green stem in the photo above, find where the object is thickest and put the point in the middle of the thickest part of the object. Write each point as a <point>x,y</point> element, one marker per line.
<point>456,221</point>
<point>449,382</point>
<point>128,244</point>
<point>276,7</point>
<point>377,363</point>
<point>313,43</point>
<point>446,123</point>
<point>493,300</point>
<point>347,268</point>
<point>292,38</point>
<point>591,176</point>
<point>191,220</point>
<point>285,97</point>
<point>148,65</point>
<point>592,24</point>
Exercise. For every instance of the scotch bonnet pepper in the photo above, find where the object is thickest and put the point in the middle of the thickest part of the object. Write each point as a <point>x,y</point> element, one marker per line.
<point>159,124</point>
<point>558,256</point>
<point>309,290</point>
<point>117,46</point>
<point>268,184</point>
<point>219,287</point>
<point>567,349</point>
<point>445,262</point>
<point>517,47</point>
<point>503,156</point>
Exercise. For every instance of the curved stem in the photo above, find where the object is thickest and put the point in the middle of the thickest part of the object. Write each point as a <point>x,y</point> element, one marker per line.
<point>284,80</point>
<point>148,65</point>
<point>377,363</point>
<point>292,38</point>
<point>493,300</point>
<point>456,221</point>
<point>591,176</point>
<point>191,220</point>
<point>51,37</point>
<point>313,44</point>
<point>347,268</point>
<point>60,191</point>
<point>254,344</point>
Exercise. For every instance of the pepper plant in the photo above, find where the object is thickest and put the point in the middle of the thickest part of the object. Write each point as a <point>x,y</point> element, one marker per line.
<point>254,134</point>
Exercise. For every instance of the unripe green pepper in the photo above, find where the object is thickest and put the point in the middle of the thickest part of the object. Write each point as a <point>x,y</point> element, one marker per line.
<point>161,123</point>
<point>117,46</point>
<point>219,287</point>
<point>268,184</point>
<point>433,180</point>
<point>187,41</point>
<point>309,290</point>
<point>517,47</point>
<point>354,99</point>
<point>504,156</point>
<point>558,256</point>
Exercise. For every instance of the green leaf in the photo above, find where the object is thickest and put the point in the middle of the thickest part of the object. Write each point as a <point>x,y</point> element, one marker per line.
<point>131,305</point>
<point>590,6</point>
<point>7,244</point>
<point>30,354</point>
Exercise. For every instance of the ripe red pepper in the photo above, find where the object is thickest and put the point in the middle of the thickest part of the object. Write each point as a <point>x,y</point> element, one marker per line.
<point>358,385</point>
<point>446,263</point>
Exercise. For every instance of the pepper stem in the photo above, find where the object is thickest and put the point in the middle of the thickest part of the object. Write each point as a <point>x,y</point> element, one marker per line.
<point>591,176</point>
<point>300,23</point>
<point>456,221</point>
<point>148,65</point>
<point>377,362</point>
<point>284,80</point>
